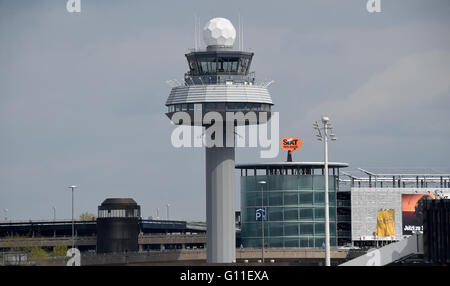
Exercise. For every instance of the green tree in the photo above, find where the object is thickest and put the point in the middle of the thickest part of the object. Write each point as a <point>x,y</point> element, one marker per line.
<point>24,244</point>
<point>37,252</point>
<point>59,250</point>
<point>87,216</point>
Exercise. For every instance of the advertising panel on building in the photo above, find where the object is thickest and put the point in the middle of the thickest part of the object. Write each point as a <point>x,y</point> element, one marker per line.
<point>412,216</point>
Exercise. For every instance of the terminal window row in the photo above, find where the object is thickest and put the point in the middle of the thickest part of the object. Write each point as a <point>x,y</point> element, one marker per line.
<point>304,242</point>
<point>287,198</point>
<point>287,182</point>
<point>290,214</point>
<point>253,229</point>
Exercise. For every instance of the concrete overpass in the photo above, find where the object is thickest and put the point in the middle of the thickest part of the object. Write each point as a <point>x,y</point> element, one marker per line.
<point>146,239</point>
<point>310,256</point>
<point>250,256</point>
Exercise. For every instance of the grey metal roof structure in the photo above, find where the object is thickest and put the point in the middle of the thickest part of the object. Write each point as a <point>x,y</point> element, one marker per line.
<point>316,165</point>
<point>219,93</point>
<point>442,178</point>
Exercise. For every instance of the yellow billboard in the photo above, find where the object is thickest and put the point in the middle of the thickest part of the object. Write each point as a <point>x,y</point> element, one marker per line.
<point>385,223</point>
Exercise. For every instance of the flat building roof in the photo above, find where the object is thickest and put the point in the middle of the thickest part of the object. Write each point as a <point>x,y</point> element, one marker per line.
<point>291,165</point>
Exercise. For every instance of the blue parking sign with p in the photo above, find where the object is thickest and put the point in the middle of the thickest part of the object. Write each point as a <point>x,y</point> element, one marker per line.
<point>260,214</point>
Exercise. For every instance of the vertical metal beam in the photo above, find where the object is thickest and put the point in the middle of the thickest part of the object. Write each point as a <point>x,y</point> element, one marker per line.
<point>73,225</point>
<point>262,224</point>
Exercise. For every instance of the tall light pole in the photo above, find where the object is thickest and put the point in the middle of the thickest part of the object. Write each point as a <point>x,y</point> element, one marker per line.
<point>54,213</point>
<point>73,239</point>
<point>262,220</point>
<point>6,214</point>
<point>324,137</point>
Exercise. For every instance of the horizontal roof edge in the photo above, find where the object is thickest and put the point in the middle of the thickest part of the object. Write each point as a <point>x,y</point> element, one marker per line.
<point>290,165</point>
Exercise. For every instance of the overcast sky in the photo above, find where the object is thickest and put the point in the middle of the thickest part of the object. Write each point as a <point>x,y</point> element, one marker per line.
<point>82,94</point>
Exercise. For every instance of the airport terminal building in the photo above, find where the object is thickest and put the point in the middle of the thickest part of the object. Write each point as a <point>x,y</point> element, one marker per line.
<point>293,197</point>
<point>403,193</point>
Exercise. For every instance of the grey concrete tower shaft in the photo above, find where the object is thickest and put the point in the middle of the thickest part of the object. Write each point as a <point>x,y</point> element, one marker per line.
<point>220,211</point>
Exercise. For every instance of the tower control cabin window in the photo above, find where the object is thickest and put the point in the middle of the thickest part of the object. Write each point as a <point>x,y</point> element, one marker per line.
<point>207,65</point>
<point>219,64</point>
<point>227,65</point>
<point>193,66</point>
<point>243,65</point>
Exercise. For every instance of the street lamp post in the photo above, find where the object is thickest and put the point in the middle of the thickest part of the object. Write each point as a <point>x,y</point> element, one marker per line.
<point>6,214</point>
<point>324,137</point>
<point>168,205</point>
<point>54,213</point>
<point>262,220</point>
<point>73,239</point>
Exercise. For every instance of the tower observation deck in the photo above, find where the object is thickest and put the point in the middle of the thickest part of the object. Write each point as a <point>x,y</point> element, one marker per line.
<point>219,80</point>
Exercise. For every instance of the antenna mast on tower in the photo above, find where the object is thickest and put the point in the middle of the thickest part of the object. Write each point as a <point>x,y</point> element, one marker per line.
<point>195,32</point>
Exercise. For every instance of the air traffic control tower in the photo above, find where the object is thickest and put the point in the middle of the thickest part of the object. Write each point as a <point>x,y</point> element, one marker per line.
<point>219,82</point>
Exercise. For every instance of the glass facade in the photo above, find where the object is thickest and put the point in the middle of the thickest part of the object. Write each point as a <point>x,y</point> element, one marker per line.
<point>295,210</point>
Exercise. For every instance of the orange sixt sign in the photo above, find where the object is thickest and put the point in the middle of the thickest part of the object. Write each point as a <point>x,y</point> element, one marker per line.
<point>291,144</point>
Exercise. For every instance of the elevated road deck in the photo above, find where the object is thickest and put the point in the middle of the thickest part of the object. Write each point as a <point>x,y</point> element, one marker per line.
<point>92,241</point>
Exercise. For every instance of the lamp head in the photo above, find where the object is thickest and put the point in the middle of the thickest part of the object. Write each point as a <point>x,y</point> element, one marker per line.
<point>325,119</point>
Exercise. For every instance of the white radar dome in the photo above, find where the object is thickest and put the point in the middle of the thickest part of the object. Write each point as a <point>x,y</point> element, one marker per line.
<point>219,32</point>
